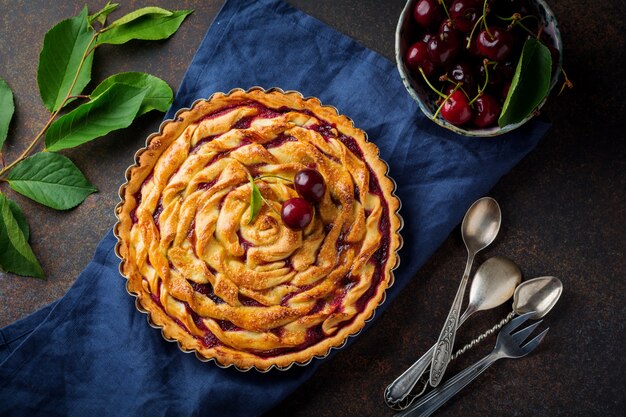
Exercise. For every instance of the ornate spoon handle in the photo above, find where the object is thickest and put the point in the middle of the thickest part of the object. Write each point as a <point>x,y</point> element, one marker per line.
<point>482,337</point>
<point>445,343</point>
<point>423,382</point>
<point>399,389</point>
<point>437,397</point>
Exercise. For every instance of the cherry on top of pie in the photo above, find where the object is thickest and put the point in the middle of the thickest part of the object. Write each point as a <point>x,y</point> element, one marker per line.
<point>253,291</point>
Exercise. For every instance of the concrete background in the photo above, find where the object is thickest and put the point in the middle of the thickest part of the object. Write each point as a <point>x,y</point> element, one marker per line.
<point>563,210</point>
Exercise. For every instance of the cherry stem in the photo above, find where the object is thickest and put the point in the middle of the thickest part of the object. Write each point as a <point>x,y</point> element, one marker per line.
<point>516,17</point>
<point>509,18</point>
<point>78,96</point>
<point>272,176</point>
<point>567,83</point>
<point>439,93</point>
<point>460,88</point>
<point>445,9</point>
<point>268,204</point>
<point>469,39</point>
<point>486,64</point>
<point>446,99</point>
<point>261,195</point>
<point>484,16</point>
<point>520,24</point>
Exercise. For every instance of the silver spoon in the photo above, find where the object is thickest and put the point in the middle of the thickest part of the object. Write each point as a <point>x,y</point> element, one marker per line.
<point>537,295</point>
<point>493,284</point>
<point>479,228</point>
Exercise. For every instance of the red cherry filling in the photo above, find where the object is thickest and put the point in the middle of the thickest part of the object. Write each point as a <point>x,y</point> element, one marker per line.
<point>487,111</point>
<point>309,183</point>
<point>296,213</point>
<point>456,109</point>
<point>417,57</point>
<point>426,13</point>
<point>496,44</point>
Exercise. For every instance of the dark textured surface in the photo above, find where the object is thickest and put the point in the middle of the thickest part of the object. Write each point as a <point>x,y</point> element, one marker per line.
<point>563,210</point>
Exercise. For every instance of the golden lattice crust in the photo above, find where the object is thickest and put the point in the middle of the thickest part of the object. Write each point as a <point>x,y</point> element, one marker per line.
<point>257,294</point>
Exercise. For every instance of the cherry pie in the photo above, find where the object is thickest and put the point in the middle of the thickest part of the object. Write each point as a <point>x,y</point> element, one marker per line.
<point>245,288</point>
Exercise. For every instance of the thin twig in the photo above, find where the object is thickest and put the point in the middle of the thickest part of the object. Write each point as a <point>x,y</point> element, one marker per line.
<point>30,147</point>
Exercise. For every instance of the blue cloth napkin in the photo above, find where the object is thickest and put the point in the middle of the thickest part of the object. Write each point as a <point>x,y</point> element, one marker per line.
<point>92,352</point>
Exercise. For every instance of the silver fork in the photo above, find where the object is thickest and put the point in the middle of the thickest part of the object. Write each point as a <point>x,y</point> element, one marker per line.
<point>508,345</point>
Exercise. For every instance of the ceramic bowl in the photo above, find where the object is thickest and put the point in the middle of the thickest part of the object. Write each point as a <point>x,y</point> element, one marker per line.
<point>426,98</point>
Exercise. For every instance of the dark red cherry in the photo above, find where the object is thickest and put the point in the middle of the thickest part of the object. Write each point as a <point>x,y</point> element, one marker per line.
<point>496,44</point>
<point>309,183</point>
<point>417,56</point>
<point>507,70</point>
<point>426,37</point>
<point>448,89</point>
<point>506,8</point>
<point>456,109</point>
<point>505,90</point>
<point>444,48</point>
<point>465,13</point>
<point>462,72</point>
<point>495,76</point>
<point>296,213</point>
<point>427,13</point>
<point>446,26</point>
<point>471,45</point>
<point>499,75</point>
<point>487,111</point>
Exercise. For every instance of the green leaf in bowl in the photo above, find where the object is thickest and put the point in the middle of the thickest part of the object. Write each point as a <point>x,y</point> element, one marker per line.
<point>530,84</point>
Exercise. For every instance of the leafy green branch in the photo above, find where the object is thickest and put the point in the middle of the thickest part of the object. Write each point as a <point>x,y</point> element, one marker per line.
<point>64,72</point>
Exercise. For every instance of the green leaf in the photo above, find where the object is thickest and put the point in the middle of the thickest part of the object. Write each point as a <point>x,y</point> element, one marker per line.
<point>19,218</point>
<point>64,47</point>
<point>256,199</point>
<point>159,95</point>
<point>139,13</point>
<point>114,109</point>
<point>50,179</point>
<point>6,110</point>
<point>101,16</point>
<point>16,254</point>
<point>530,84</point>
<point>147,27</point>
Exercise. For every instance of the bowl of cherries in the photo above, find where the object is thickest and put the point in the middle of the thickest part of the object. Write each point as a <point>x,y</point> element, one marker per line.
<point>479,67</point>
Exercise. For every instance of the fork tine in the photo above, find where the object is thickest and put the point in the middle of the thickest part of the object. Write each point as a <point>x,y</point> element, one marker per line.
<point>515,323</point>
<point>530,346</point>
<point>521,335</point>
